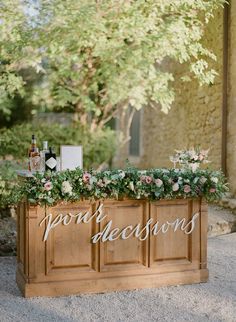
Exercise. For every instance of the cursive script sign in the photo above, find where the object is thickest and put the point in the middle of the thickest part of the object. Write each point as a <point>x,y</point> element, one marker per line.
<point>109,234</point>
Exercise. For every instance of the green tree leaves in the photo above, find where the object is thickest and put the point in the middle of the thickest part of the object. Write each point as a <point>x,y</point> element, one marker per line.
<point>100,56</point>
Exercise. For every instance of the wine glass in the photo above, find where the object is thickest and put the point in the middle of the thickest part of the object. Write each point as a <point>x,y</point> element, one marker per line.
<point>174,159</point>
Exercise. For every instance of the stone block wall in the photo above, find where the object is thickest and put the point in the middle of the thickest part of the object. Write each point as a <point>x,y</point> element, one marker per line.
<point>195,117</point>
<point>231,122</point>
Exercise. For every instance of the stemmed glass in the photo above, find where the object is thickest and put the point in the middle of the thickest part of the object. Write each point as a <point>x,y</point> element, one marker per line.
<point>174,159</point>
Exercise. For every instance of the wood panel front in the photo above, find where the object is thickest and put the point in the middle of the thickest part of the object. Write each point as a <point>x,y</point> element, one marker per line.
<point>69,249</point>
<point>175,250</point>
<point>131,253</point>
<point>69,263</point>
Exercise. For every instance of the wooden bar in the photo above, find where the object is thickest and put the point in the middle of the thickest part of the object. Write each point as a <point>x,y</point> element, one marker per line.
<point>69,262</point>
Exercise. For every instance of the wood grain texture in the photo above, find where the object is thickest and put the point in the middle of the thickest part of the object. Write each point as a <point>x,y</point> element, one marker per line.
<point>203,233</point>
<point>124,254</point>
<point>69,263</point>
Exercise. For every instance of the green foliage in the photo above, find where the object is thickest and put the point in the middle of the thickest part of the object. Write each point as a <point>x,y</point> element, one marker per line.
<point>153,184</point>
<point>8,183</point>
<point>101,56</point>
<point>97,148</point>
<point>13,38</point>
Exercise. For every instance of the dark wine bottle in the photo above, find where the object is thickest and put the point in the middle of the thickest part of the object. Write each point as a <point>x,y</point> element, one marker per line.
<point>50,160</point>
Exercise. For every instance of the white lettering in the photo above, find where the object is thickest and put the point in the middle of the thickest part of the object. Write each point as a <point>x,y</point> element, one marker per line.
<point>65,222</point>
<point>191,224</point>
<point>51,224</point>
<point>124,230</point>
<point>109,234</point>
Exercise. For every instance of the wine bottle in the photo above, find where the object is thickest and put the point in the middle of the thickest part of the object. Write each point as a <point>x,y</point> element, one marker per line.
<point>42,155</point>
<point>32,149</point>
<point>50,160</point>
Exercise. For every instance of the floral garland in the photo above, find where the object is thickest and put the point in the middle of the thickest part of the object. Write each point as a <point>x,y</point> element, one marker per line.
<point>191,156</point>
<point>153,184</point>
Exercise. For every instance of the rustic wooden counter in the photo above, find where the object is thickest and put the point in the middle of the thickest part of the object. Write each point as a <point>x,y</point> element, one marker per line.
<point>89,247</point>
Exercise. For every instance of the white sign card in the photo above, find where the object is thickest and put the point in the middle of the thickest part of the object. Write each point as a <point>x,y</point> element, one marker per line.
<point>71,157</point>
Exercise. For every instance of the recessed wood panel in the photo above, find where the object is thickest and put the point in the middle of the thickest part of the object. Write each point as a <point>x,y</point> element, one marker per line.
<point>173,248</point>
<point>69,246</point>
<point>123,254</point>
<point>21,236</point>
<point>21,232</point>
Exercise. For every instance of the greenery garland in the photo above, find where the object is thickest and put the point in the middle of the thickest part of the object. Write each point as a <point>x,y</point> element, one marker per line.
<point>153,184</point>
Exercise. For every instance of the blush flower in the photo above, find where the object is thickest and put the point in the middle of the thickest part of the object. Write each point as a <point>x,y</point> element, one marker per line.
<point>159,182</point>
<point>48,186</point>
<point>148,179</point>
<point>175,186</point>
<point>212,190</point>
<point>143,178</point>
<point>187,188</point>
<point>201,157</point>
<point>86,177</point>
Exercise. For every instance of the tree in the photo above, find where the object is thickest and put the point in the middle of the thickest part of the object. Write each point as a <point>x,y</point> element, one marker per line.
<point>101,56</point>
<point>11,21</point>
<point>18,68</point>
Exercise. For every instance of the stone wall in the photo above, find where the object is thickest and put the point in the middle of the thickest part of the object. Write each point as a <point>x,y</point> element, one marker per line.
<point>231,126</point>
<point>195,117</point>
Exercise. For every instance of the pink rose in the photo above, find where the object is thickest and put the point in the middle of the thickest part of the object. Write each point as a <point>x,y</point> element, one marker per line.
<point>212,190</point>
<point>86,177</point>
<point>187,188</point>
<point>148,179</point>
<point>48,186</point>
<point>159,182</point>
<point>175,186</point>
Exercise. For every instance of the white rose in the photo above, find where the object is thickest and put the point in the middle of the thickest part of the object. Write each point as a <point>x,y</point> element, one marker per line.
<point>203,180</point>
<point>122,174</point>
<point>66,187</point>
<point>92,180</point>
<point>159,182</point>
<point>106,181</point>
<point>214,179</point>
<point>175,187</point>
<point>131,186</point>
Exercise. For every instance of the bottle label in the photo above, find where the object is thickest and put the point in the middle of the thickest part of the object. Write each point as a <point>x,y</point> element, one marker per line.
<point>35,163</point>
<point>51,163</point>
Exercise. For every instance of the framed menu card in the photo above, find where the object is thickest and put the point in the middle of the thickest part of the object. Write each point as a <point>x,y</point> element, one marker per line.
<point>71,157</point>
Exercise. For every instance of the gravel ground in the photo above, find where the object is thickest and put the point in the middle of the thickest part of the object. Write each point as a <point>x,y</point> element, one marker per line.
<point>212,301</point>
